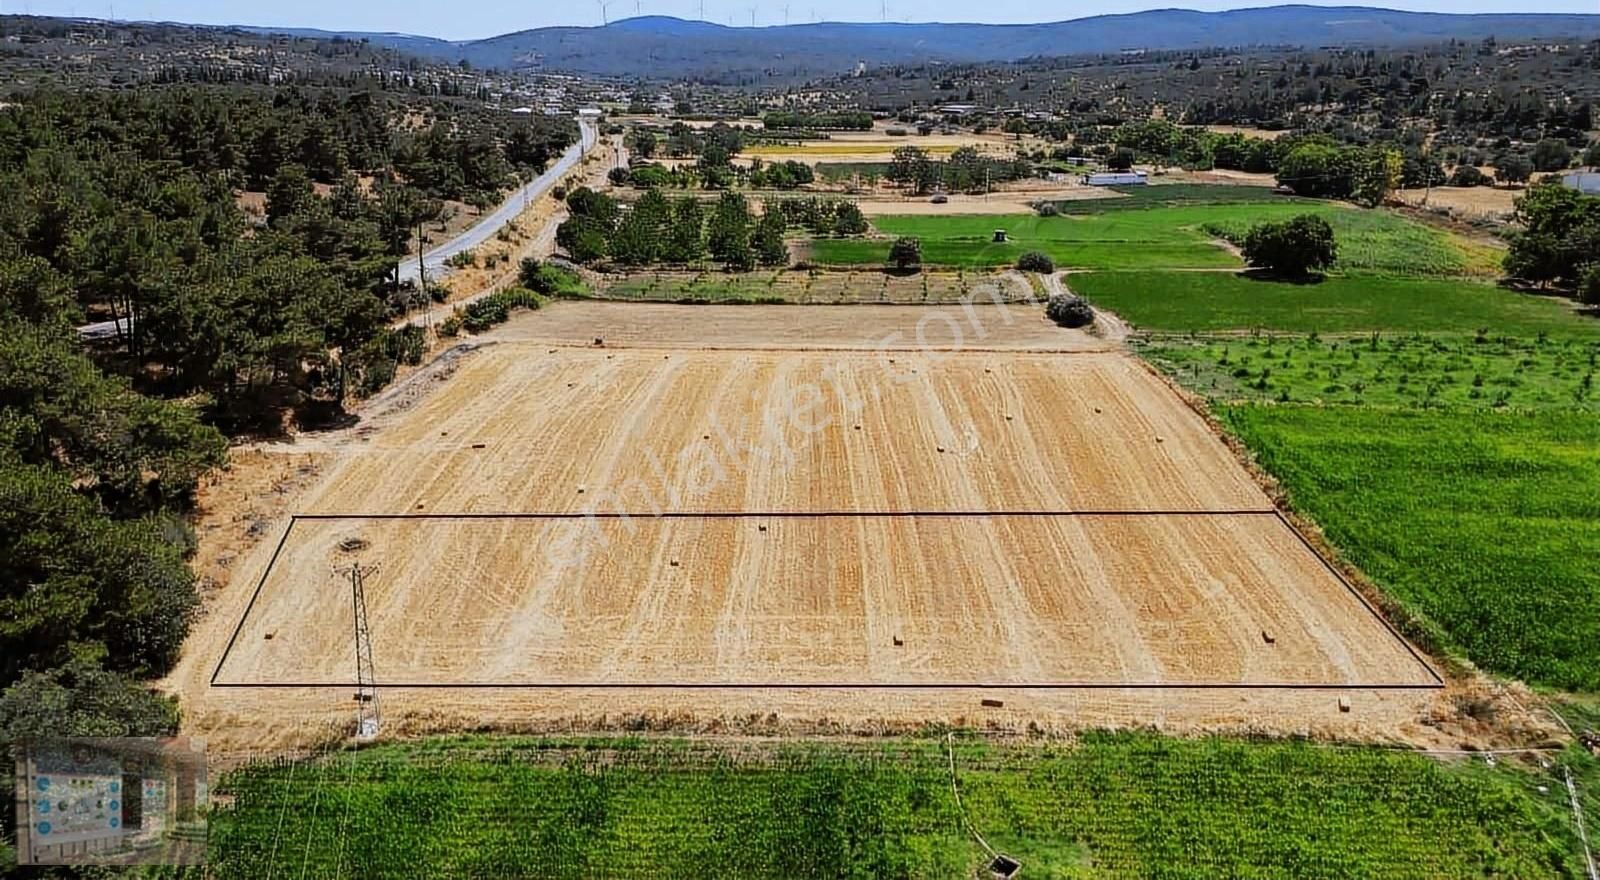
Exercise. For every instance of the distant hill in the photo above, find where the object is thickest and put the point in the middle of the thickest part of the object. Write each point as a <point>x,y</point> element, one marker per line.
<point>664,47</point>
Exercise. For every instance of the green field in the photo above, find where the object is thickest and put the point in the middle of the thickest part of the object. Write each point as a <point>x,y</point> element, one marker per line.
<point>1171,194</point>
<point>1175,234</point>
<point>1484,524</point>
<point>1214,301</point>
<point>1110,805</point>
<point>1386,371</point>
<point>837,172</point>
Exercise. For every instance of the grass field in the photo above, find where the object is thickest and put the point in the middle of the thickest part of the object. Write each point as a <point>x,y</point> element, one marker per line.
<point>1111,805</point>
<point>1165,232</point>
<point>1167,195</point>
<point>1114,240</point>
<point>1387,371</point>
<point>1214,301</point>
<point>1486,524</point>
<point>835,172</point>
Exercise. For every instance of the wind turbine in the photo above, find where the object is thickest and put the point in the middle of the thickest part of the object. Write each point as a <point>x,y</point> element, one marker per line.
<point>885,6</point>
<point>603,4</point>
<point>785,15</point>
<point>752,16</point>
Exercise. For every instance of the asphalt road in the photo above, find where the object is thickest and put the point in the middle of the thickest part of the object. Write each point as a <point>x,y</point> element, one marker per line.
<point>508,210</point>
<point>588,135</point>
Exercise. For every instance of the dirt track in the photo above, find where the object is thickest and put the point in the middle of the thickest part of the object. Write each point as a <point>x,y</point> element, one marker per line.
<point>538,423</point>
<point>986,327</point>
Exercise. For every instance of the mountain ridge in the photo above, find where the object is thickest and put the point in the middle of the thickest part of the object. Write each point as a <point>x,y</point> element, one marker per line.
<point>667,47</point>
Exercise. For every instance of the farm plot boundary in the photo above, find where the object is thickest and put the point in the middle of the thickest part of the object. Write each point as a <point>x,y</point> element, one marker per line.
<point>1429,679</point>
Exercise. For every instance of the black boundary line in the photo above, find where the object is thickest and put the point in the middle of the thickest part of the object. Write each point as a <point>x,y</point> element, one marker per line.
<point>1334,570</point>
<point>791,514</point>
<point>239,627</point>
<point>849,685</point>
<point>1437,683</point>
<point>932,352</point>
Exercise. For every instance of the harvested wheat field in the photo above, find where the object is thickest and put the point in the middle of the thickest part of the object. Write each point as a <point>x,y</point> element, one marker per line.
<point>738,513</point>
<point>774,600</point>
<point>982,326</point>
<point>531,429</point>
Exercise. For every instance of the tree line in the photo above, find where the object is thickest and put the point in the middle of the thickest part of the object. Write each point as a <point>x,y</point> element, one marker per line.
<point>966,170</point>
<point>683,231</point>
<point>126,205</point>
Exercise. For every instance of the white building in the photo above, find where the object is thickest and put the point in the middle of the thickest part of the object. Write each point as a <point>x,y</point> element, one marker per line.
<point>1586,182</point>
<point>1117,178</point>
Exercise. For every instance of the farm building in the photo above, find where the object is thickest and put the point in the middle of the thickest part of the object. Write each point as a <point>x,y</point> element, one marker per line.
<point>1115,178</point>
<point>1586,182</point>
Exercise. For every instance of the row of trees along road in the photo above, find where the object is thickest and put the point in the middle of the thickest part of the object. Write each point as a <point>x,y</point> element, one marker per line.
<point>656,229</point>
<point>125,203</point>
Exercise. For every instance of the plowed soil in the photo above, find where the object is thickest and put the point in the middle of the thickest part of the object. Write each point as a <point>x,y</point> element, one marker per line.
<point>855,537</point>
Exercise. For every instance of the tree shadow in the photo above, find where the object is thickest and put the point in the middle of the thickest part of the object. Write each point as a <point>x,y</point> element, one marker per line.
<point>1308,280</point>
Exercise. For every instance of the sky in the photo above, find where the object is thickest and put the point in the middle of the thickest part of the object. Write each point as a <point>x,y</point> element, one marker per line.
<point>486,18</point>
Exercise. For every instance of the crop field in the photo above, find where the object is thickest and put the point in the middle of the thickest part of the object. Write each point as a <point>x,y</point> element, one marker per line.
<point>839,172</point>
<point>1112,240</point>
<point>874,600</point>
<point>1435,371</point>
<point>1021,512</point>
<point>1205,302</point>
<point>1107,805</point>
<point>1165,232</point>
<point>819,288</point>
<point>1485,525</point>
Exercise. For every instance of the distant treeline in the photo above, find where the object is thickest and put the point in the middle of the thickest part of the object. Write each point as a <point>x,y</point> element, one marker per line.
<point>784,120</point>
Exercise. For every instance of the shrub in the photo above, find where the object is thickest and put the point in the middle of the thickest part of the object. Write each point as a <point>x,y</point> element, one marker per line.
<point>495,308</point>
<point>906,252</point>
<point>1069,310</point>
<point>438,292</point>
<point>617,176</point>
<point>1035,261</point>
<point>1047,209</point>
<point>1589,285</point>
<point>1468,175</point>
<point>848,220</point>
<point>405,345</point>
<point>1294,248</point>
<point>463,260</point>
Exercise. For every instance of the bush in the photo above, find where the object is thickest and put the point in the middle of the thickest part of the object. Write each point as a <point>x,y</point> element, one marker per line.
<point>495,308</point>
<point>1035,261</point>
<point>1047,209</point>
<point>848,220</point>
<point>1069,310</point>
<point>463,260</point>
<point>1294,248</point>
<point>405,345</point>
<point>438,292</point>
<point>1589,285</point>
<point>617,176</point>
<point>906,252</point>
<point>1468,175</point>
